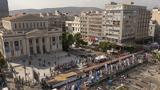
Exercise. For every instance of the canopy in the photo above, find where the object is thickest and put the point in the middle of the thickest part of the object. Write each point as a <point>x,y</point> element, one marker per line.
<point>6,88</point>
<point>101,57</point>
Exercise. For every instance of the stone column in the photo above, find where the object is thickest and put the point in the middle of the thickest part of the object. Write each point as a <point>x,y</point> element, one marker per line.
<point>47,44</point>
<point>34,46</point>
<point>57,42</point>
<point>14,50</point>
<point>51,44</point>
<point>27,47</point>
<point>41,45</point>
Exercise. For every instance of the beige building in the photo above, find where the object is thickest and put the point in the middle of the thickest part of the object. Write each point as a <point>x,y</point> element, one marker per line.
<point>156,15</point>
<point>91,26</point>
<point>155,23</point>
<point>27,35</point>
<point>153,28</point>
<point>125,23</point>
<point>73,26</point>
<point>56,19</point>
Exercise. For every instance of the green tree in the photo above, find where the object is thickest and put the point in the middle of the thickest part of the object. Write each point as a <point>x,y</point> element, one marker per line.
<point>70,39</point>
<point>67,40</point>
<point>83,43</point>
<point>79,41</point>
<point>3,62</point>
<point>77,38</point>
<point>104,46</point>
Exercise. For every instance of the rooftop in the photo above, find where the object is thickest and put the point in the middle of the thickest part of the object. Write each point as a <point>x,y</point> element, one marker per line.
<point>23,17</point>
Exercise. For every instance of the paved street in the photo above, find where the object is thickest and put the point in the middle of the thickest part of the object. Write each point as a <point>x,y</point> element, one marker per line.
<point>41,63</point>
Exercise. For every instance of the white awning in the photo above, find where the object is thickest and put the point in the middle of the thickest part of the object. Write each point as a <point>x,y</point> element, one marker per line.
<point>101,57</point>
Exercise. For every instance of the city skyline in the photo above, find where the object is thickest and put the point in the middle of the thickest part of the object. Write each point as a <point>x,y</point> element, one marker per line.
<point>30,4</point>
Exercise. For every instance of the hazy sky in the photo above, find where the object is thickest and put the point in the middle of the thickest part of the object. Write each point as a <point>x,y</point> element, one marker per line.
<point>23,4</point>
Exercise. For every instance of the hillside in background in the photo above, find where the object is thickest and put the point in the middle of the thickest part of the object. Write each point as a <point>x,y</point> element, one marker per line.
<point>70,10</point>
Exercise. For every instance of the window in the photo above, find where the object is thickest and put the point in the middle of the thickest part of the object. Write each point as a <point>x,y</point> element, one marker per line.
<point>53,40</point>
<point>43,40</point>
<point>26,25</point>
<point>60,37</point>
<point>37,41</point>
<point>16,44</point>
<point>40,24</point>
<point>23,25</point>
<point>20,25</point>
<point>15,25</point>
<point>34,25</point>
<point>30,41</point>
<point>44,24</point>
<point>6,44</point>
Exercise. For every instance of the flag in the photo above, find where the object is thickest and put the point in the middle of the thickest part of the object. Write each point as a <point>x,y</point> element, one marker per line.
<point>128,62</point>
<point>111,66</point>
<point>97,75</point>
<point>117,67</point>
<point>79,85</point>
<point>106,67</point>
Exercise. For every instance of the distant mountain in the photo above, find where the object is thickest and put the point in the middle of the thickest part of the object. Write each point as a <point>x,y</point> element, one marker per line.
<point>71,10</point>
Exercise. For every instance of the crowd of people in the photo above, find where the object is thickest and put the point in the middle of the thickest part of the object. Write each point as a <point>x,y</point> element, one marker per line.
<point>66,66</point>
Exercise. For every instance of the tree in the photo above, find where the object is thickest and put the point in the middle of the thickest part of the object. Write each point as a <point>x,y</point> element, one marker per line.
<point>3,62</point>
<point>67,40</point>
<point>83,43</point>
<point>79,41</point>
<point>77,38</point>
<point>104,46</point>
<point>70,39</point>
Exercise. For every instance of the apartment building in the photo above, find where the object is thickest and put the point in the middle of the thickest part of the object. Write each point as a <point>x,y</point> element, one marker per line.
<point>125,23</point>
<point>156,15</point>
<point>91,26</point>
<point>56,19</point>
<point>155,23</point>
<point>73,26</point>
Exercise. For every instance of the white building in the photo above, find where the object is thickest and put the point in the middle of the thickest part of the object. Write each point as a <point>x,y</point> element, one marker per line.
<point>125,23</point>
<point>73,26</point>
<point>153,28</point>
<point>91,26</point>
<point>27,35</point>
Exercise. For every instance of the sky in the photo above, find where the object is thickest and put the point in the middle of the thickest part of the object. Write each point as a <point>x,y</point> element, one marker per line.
<point>38,4</point>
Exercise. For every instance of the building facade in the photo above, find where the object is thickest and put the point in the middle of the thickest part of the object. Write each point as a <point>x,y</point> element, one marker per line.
<point>91,26</point>
<point>156,15</point>
<point>27,35</point>
<point>56,19</point>
<point>125,23</point>
<point>153,28</point>
<point>4,12</point>
<point>73,26</point>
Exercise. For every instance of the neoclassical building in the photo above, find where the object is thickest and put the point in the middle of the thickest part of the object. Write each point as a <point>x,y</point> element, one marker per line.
<point>27,35</point>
